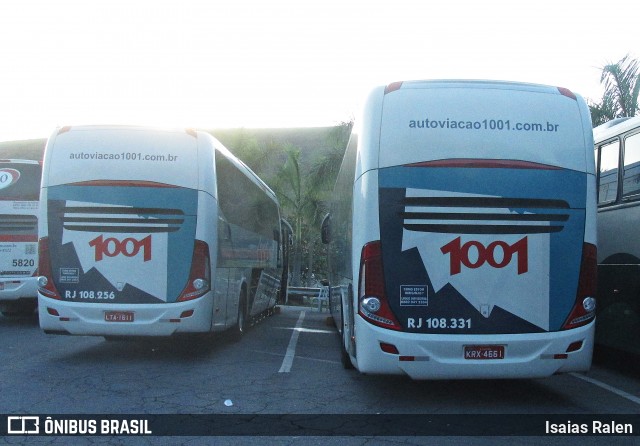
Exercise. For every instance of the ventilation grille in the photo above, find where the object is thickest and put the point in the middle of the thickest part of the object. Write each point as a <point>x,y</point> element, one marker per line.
<point>121,219</point>
<point>484,215</point>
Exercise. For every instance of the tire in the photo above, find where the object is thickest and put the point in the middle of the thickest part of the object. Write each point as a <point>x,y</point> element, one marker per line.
<point>345,359</point>
<point>10,314</point>
<point>18,309</point>
<point>240,328</point>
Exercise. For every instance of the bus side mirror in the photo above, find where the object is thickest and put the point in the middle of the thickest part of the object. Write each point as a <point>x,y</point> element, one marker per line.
<point>325,229</point>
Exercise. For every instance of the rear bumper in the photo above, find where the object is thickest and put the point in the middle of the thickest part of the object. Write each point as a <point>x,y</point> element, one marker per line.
<point>530,355</point>
<point>12,288</point>
<point>79,318</point>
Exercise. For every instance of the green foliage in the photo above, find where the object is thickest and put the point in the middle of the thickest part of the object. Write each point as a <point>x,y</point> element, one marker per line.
<point>300,165</point>
<point>621,83</point>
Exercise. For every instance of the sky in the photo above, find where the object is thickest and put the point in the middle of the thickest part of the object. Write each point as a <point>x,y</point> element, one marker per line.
<point>281,63</point>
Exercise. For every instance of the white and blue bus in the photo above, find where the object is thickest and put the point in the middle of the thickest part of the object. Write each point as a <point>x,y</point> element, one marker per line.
<point>19,195</point>
<point>147,232</point>
<point>617,150</point>
<point>462,237</point>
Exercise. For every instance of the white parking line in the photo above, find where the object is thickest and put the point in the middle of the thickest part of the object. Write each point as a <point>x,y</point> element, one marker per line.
<point>291,349</point>
<point>595,382</point>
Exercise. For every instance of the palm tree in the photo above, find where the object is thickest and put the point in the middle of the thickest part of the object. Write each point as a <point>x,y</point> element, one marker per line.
<point>298,200</point>
<point>602,112</point>
<point>621,83</point>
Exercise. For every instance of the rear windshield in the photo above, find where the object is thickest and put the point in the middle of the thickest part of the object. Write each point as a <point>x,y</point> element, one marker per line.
<point>20,181</point>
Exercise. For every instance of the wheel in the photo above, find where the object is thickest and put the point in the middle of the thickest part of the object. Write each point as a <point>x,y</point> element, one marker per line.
<point>240,328</point>
<point>19,309</point>
<point>344,355</point>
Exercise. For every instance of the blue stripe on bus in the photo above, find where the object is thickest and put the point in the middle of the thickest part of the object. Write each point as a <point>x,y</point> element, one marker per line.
<point>517,183</point>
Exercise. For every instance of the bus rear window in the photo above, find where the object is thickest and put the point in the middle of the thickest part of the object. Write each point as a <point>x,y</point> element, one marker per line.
<point>20,181</point>
<point>631,183</point>
<point>608,172</point>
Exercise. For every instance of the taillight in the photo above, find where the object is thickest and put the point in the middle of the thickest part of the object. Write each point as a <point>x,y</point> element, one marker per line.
<point>45,279</point>
<point>199,282</point>
<point>584,309</point>
<point>566,92</point>
<point>393,86</point>
<point>373,305</point>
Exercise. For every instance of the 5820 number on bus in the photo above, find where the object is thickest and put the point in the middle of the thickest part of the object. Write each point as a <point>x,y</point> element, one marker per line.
<point>21,263</point>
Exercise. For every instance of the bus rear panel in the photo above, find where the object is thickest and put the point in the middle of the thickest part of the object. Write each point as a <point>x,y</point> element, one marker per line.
<point>19,192</point>
<point>482,261</point>
<point>121,251</point>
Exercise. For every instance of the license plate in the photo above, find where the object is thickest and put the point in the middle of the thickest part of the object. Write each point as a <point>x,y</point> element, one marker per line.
<point>118,316</point>
<point>484,352</point>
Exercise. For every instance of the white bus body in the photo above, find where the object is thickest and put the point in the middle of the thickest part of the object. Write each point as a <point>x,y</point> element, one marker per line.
<point>148,232</point>
<point>19,190</point>
<point>462,230</point>
<point>617,151</point>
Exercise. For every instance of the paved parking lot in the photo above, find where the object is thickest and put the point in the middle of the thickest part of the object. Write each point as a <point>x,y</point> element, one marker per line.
<point>287,365</point>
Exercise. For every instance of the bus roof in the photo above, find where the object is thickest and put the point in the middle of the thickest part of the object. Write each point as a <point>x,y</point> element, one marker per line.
<point>614,127</point>
<point>477,84</point>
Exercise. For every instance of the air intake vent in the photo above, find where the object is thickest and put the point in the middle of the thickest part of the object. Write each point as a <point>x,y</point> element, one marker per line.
<point>484,215</point>
<point>121,219</point>
<point>18,224</point>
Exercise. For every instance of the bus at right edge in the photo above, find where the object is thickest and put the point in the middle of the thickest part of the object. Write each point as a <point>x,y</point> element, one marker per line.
<point>617,152</point>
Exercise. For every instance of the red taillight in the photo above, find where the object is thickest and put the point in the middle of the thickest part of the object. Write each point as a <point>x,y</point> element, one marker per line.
<point>393,86</point>
<point>199,282</point>
<point>566,92</point>
<point>584,309</point>
<point>389,348</point>
<point>574,346</point>
<point>373,305</point>
<point>45,281</point>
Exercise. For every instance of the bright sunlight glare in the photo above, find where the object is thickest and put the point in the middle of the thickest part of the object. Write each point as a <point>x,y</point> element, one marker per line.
<point>281,63</point>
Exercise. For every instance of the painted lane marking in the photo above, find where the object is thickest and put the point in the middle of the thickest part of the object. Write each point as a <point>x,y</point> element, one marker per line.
<point>595,382</point>
<point>291,349</point>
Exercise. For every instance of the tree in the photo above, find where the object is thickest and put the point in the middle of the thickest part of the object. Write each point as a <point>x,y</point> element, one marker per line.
<point>324,170</point>
<point>323,174</point>
<point>302,185</point>
<point>289,185</point>
<point>621,83</point>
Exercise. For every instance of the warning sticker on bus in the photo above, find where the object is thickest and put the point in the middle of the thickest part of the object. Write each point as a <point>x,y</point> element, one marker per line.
<point>414,296</point>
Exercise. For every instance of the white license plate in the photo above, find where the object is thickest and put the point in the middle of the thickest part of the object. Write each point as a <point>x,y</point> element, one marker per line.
<point>118,316</point>
<point>484,352</point>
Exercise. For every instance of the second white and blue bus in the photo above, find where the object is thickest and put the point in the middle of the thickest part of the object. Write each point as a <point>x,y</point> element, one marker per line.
<point>147,232</point>
<point>462,236</point>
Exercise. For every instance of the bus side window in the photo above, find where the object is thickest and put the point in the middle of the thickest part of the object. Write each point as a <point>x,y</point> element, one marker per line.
<point>631,181</point>
<point>608,172</point>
